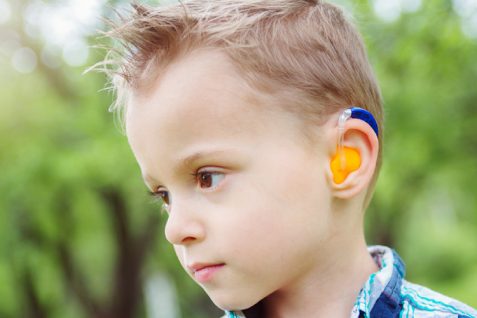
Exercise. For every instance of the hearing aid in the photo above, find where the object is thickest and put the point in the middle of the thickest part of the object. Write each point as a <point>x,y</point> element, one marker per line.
<point>346,159</point>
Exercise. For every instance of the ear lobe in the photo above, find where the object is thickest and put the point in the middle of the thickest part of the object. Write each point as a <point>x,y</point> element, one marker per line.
<point>351,169</point>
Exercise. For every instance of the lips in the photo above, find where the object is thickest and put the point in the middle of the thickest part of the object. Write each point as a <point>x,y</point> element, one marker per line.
<point>204,272</point>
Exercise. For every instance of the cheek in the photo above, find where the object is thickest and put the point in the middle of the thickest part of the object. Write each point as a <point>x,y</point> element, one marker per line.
<point>285,207</point>
<point>295,191</point>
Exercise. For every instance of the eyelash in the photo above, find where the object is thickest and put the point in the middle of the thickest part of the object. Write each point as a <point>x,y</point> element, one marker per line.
<point>157,197</point>
<point>163,196</point>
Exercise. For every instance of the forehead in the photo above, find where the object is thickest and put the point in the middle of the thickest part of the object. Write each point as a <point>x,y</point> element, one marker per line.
<point>200,84</point>
<point>200,103</point>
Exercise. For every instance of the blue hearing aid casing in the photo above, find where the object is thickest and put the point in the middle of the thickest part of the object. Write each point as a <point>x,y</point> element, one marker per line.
<point>363,114</point>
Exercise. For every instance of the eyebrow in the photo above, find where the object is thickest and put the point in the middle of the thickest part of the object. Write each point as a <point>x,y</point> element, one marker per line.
<point>188,161</point>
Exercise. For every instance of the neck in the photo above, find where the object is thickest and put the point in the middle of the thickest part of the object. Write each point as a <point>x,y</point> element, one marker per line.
<point>330,289</point>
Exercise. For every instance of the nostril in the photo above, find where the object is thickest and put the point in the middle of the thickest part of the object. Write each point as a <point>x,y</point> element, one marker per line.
<point>188,239</point>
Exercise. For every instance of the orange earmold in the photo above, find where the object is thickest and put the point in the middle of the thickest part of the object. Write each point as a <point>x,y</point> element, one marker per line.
<point>342,167</point>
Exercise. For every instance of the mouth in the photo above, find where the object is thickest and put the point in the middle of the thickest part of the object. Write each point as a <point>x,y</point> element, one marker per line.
<point>204,272</point>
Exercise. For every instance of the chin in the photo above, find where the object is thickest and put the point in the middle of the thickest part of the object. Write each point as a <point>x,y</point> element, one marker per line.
<point>232,301</point>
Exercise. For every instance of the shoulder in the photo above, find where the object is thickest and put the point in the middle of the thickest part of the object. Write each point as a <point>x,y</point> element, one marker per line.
<point>419,301</point>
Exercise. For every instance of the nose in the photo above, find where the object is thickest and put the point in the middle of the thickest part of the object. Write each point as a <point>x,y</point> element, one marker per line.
<point>183,226</point>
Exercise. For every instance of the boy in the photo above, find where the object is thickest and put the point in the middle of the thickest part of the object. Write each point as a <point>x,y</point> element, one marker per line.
<point>238,113</point>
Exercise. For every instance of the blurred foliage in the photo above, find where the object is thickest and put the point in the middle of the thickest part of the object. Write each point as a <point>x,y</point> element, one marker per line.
<point>80,237</point>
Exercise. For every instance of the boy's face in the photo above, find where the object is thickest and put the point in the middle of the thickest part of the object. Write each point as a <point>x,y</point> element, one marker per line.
<point>249,207</point>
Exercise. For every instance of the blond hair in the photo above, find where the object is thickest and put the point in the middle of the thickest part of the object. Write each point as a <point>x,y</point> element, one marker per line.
<point>304,53</point>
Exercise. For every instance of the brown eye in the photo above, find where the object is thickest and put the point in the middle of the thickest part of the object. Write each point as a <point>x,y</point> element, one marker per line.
<point>207,179</point>
<point>164,195</point>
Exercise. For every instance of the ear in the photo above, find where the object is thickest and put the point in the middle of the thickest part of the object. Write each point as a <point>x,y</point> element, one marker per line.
<point>358,136</point>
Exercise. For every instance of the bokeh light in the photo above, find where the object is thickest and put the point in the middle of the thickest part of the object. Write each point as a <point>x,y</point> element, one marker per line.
<point>391,10</point>
<point>5,11</point>
<point>24,60</point>
<point>76,52</point>
<point>467,9</point>
<point>63,25</point>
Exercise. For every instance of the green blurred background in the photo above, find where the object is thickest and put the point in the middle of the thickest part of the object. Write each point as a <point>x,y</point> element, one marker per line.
<point>80,237</point>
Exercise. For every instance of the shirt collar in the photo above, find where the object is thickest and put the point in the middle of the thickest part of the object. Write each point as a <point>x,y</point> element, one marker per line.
<point>381,294</point>
<point>234,314</point>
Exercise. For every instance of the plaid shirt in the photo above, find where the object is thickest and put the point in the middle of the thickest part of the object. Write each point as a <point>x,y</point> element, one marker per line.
<point>387,294</point>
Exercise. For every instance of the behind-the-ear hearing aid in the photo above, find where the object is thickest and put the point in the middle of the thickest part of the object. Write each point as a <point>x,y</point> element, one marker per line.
<point>347,160</point>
